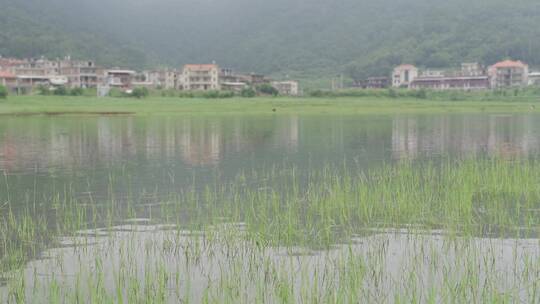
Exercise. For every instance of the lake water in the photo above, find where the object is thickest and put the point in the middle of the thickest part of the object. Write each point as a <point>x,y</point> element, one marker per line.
<point>145,159</point>
<point>169,152</point>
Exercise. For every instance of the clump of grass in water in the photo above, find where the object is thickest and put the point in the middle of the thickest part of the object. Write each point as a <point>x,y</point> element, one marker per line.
<point>282,210</point>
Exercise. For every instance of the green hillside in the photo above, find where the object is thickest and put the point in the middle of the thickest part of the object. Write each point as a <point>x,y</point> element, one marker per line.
<point>302,38</point>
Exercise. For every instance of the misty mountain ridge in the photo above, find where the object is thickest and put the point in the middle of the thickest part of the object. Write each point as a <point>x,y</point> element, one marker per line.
<point>303,38</point>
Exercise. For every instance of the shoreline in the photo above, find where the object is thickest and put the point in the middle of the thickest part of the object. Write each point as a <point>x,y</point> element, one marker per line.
<point>81,105</point>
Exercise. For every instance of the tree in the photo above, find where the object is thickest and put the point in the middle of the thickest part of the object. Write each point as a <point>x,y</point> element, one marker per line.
<point>267,89</point>
<point>43,90</point>
<point>61,91</point>
<point>140,93</point>
<point>248,93</point>
<point>3,92</point>
<point>76,92</point>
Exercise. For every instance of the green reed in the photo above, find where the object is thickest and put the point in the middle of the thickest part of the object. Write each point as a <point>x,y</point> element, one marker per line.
<point>286,236</point>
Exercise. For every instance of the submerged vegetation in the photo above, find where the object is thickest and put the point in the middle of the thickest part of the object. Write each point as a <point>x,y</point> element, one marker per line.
<point>456,231</point>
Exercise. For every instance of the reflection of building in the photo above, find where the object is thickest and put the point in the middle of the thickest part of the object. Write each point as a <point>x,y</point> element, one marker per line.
<point>405,138</point>
<point>288,134</point>
<point>201,147</point>
<point>199,142</point>
<point>493,135</point>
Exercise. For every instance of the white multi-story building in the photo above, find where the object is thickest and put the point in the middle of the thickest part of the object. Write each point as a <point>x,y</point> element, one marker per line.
<point>81,74</point>
<point>534,78</point>
<point>287,88</point>
<point>163,79</point>
<point>508,73</point>
<point>200,77</point>
<point>403,75</point>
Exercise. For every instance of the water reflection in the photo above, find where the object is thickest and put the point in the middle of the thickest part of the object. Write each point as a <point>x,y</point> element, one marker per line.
<point>72,143</point>
<point>476,135</point>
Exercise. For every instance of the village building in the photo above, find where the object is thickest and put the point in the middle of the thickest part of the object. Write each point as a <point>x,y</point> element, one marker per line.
<point>162,79</point>
<point>200,77</point>
<point>471,77</point>
<point>287,88</point>
<point>464,83</point>
<point>8,80</point>
<point>236,87</point>
<point>472,69</point>
<point>372,83</point>
<point>534,79</point>
<point>508,74</point>
<point>403,75</point>
<point>120,78</point>
<point>81,74</point>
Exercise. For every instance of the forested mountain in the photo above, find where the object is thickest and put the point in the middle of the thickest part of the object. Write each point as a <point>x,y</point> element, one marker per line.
<point>358,37</point>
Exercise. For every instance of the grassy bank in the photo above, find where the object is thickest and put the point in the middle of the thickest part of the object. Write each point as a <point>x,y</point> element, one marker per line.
<point>56,105</point>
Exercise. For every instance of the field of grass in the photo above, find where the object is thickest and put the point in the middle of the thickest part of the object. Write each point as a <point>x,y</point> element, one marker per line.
<point>452,232</point>
<point>57,105</point>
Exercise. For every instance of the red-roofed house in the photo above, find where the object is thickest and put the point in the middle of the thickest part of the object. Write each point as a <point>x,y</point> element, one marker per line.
<point>8,80</point>
<point>200,77</point>
<point>508,73</point>
<point>403,75</point>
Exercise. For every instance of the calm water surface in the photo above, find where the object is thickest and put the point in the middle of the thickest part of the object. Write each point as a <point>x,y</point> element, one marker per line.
<point>170,152</point>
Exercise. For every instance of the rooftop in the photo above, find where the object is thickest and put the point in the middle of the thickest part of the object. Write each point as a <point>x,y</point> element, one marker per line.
<point>200,67</point>
<point>121,72</point>
<point>6,74</point>
<point>509,64</point>
<point>406,66</point>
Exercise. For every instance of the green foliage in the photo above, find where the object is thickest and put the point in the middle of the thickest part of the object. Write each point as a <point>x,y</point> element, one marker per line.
<point>115,92</point>
<point>43,90</point>
<point>360,38</point>
<point>140,93</point>
<point>76,92</point>
<point>61,91</point>
<point>248,93</point>
<point>3,92</point>
<point>217,94</point>
<point>267,89</point>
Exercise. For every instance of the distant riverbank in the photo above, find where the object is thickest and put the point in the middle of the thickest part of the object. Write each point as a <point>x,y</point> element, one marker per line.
<point>70,105</point>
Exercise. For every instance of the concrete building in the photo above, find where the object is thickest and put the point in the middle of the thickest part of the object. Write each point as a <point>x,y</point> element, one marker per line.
<point>472,69</point>
<point>287,88</point>
<point>534,78</point>
<point>8,80</point>
<point>403,75</point>
<point>200,77</point>
<point>162,79</point>
<point>508,74</point>
<point>236,87</point>
<point>373,83</point>
<point>465,83</point>
<point>81,74</point>
<point>120,78</point>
